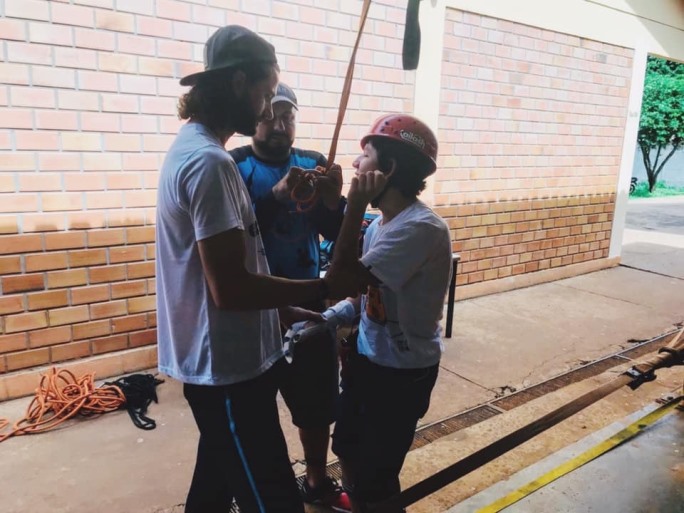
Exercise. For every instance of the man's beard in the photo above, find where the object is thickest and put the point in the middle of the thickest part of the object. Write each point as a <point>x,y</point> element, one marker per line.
<point>237,115</point>
<point>276,146</point>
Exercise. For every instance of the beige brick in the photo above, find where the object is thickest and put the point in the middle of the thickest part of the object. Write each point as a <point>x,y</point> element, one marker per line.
<point>113,237</point>
<point>68,315</point>
<point>92,294</point>
<point>46,300</point>
<point>49,336</point>
<point>11,304</point>
<point>129,323</point>
<point>46,261</point>
<point>59,279</point>
<point>142,304</point>
<point>70,351</point>
<point>129,289</point>
<point>25,322</point>
<point>26,359</point>
<point>108,309</point>
<point>126,254</point>
<point>91,329</point>
<point>67,240</point>
<point>87,257</point>
<point>107,273</point>
<point>140,270</point>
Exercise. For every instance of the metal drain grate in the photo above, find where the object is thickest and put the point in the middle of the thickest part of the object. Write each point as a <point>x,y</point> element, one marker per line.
<point>432,432</point>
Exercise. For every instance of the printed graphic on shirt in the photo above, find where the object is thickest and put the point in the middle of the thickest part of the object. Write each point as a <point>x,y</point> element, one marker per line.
<point>375,310</point>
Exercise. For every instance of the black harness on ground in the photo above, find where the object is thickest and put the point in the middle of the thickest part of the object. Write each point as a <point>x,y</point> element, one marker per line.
<point>140,391</point>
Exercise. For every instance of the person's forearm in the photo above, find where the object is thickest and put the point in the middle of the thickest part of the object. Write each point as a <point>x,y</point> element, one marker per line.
<point>262,291</point>
<point>347,243</point>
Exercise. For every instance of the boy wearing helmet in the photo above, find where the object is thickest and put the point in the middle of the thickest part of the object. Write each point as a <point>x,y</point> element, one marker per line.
<point>388,380</point>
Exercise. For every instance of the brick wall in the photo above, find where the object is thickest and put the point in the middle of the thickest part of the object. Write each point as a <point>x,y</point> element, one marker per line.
<point>531,132</point>
<point>88,90</point>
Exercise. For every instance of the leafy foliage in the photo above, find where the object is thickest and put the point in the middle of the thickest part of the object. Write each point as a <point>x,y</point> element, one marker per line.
<point>661,127</point>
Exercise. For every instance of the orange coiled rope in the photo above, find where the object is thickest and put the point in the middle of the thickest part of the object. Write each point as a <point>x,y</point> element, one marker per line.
<point>304,194</point>
<point>61,396</point>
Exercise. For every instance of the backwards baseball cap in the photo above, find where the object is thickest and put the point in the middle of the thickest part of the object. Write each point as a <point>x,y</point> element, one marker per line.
<point>285,94</point>
<point>231,46</point>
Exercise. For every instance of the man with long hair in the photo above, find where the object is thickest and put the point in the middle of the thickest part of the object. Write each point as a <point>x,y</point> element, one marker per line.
<point>218,330</point>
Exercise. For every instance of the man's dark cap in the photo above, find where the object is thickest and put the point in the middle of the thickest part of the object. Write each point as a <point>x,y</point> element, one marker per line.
<point>231,46</point>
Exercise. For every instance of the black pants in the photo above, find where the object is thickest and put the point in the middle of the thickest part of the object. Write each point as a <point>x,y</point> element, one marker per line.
<point>242,452</point>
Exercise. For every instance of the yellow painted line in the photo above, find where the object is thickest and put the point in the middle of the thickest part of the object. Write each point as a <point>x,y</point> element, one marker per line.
<point>629,432</point>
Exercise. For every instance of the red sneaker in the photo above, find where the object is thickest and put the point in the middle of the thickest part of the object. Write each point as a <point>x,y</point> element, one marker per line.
<point>329,494</point>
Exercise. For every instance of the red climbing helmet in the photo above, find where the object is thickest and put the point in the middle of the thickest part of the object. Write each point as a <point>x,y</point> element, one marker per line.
<point>408,130</point>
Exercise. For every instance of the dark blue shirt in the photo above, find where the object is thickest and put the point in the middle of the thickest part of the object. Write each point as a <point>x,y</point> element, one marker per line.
<point>291,239</point>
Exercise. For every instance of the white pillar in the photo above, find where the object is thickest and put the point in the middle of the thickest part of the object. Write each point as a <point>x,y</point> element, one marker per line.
<point>628,148</point>
<point>429,73</point>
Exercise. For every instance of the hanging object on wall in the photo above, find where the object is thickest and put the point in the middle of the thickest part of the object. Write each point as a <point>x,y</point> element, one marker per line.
<point>410,54</point>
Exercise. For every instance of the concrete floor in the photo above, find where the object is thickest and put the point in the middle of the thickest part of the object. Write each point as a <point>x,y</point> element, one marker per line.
<point>503,341</point>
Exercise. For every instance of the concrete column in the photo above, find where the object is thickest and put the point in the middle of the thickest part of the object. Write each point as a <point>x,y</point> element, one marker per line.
<point>429,73</point>
<point>628,148</point>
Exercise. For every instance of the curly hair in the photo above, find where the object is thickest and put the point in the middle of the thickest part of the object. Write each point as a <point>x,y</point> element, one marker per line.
<point>211,101</point>
<point>412,167</point>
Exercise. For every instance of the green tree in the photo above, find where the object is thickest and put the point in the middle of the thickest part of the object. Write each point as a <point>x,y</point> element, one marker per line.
<point>661,127</point>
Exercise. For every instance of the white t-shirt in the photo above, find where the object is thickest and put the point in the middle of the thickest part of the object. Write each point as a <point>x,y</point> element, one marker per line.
<point>411,256</point>
<point>200,195</point>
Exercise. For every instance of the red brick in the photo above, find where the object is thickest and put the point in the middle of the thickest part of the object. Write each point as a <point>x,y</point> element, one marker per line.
<point>69,351</point>
<point>23,283</point>
<point>10,265</point>
<point>93,294</point>
<point>140,270</point>
<point>129,289</point>
<point>58,279</point>
<point>46,261</point>
<point>106,274</point>
<point>14,244</point>
<point>91,329</point>
<point>49,336</point>
<point>14,342</point>
<point>143,338</point>
<point>109,237</point>
<point>140,234</point>
<point>129,323</point>
<point>32,97</point>
<point>27,9</point>
<point>142,304</point>
<point>152,319</point>
<point>45,300</point>
<point>11,304</point>
<point>109,344</point>
<point>25,322</point>
<point>108,309</point>
<point>70,315</point>
<point>26,359</point>
<point>65,240</point>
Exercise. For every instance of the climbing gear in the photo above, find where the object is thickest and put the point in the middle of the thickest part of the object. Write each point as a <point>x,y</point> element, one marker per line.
<point>672,354</point>
<point>299,333</point>
<point>61,396</point>
<point>304,193</point>
<point>139,391</point>
<point>407,130</point>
